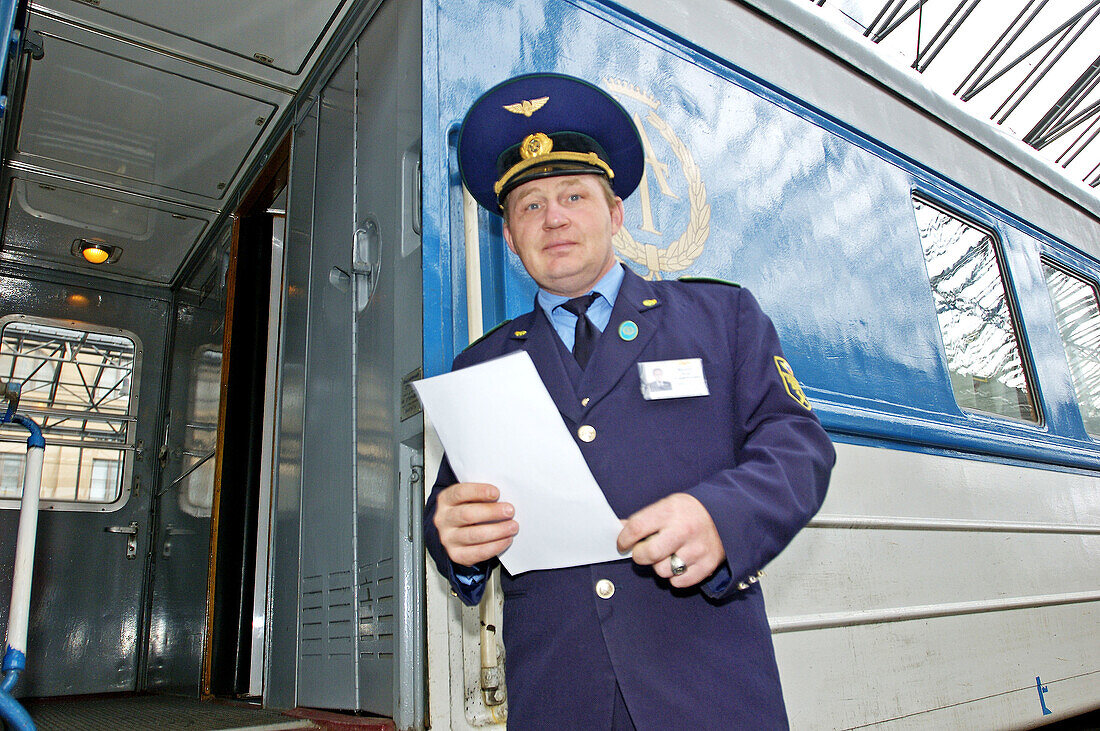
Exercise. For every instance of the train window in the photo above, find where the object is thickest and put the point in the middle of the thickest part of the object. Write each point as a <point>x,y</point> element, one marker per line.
<point>976,319</point>
<point>78,384</point>
<point>11,475</point>
<point>1078,316</point>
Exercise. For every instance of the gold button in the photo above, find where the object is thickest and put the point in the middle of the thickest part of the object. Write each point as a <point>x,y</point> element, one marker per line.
<point>605,589</point>
<point>584,401</point>
<point>586,433</point>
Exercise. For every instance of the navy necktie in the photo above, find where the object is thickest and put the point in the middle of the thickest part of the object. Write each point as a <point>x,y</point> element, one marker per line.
<point>584,341</point>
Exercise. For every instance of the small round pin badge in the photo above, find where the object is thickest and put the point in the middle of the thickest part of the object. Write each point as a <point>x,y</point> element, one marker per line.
<point>628,330</point>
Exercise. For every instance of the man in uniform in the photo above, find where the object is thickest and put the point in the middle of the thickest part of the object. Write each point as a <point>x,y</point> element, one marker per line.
<point>711,485</point>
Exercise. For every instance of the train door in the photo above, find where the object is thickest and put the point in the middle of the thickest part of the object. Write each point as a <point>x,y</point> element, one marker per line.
<point>346,567</point>
<point>90,364</point>
<point>185,495</point>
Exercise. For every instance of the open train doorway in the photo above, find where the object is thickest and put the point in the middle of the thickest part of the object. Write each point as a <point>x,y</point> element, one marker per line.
<point>241,499</point>
<point>210,569</point>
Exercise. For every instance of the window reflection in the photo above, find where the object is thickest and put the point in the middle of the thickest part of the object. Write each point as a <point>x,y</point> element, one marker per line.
<point>976,321</point>
<point>196,496</point>
<point>1075,308</point>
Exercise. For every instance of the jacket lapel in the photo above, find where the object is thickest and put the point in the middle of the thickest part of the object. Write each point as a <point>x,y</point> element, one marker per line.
<point>617,351</point>
<point>540,342</point>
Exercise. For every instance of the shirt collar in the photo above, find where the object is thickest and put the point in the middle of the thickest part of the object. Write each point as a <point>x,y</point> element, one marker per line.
<point>607,287</point>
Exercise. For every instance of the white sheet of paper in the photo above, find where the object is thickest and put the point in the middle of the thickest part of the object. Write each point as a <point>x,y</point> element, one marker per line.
<point>499,425</point>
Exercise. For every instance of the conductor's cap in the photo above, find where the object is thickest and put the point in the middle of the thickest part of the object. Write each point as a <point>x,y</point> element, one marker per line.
<point>541,126</point>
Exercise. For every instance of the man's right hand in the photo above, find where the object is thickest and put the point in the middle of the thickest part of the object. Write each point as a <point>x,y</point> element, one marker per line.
<point>473,526</point>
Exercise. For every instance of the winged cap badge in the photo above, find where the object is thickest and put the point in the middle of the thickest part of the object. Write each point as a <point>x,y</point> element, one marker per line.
<point>527,107</point>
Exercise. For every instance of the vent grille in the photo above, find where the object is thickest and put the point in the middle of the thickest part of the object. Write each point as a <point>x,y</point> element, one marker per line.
<point>327,615</point>
<point>376,608</point>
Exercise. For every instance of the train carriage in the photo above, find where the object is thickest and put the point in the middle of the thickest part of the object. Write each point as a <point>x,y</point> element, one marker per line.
<point>236,461</point>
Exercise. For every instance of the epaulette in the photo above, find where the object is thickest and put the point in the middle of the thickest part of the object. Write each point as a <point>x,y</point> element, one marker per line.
<point>709,280</point>
<point>488,332</point>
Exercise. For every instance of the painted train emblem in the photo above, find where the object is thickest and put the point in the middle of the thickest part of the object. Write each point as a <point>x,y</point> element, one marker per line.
<point>681,253</point>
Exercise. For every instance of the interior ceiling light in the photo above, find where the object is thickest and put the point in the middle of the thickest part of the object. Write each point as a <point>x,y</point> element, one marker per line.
<point>95,252</point>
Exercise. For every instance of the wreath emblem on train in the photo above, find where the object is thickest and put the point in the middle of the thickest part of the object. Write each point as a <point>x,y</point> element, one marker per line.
<point>683,252</point>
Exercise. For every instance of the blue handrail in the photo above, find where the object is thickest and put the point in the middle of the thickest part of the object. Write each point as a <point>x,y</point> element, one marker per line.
<point>12,712</point>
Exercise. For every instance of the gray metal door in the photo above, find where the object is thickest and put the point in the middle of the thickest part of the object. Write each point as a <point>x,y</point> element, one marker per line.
<point>87,605</point>
<point>355,158</point>
<point>184,499</point>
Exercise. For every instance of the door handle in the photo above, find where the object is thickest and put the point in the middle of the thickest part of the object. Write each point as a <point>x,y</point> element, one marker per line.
<point>131,542</point>
<point>171,530</point>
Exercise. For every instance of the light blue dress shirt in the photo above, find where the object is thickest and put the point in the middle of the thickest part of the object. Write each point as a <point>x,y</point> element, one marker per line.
<point>599,312</point>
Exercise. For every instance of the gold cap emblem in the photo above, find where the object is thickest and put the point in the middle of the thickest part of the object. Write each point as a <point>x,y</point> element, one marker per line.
<point>527,107</point>
<point>535,145</point>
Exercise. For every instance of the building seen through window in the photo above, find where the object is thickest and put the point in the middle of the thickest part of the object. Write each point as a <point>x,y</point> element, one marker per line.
<point>78,385</point>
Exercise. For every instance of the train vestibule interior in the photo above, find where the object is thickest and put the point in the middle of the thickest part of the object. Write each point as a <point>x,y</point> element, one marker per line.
<point>210,294</point>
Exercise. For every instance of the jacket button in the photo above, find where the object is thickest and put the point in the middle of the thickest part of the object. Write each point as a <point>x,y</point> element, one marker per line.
<point>586,433</point>
<point>605,589</point>
<point>584,401</point>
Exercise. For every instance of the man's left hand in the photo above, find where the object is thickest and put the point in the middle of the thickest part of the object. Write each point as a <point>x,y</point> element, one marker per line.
<point>676,524</point>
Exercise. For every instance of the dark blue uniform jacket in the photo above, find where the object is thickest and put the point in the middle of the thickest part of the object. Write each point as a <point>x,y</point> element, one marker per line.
<point>755,457</point>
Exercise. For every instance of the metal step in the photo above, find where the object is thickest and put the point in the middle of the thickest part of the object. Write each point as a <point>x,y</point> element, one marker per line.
<point>156,713</point>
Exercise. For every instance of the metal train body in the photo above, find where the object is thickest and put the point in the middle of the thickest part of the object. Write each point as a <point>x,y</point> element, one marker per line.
<point>273,462</point>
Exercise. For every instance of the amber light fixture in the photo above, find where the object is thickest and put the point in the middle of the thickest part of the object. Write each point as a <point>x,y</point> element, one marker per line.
<point>94,251</point>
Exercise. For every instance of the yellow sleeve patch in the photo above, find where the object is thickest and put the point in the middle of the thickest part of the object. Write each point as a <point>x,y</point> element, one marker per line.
<point>794,389</point>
